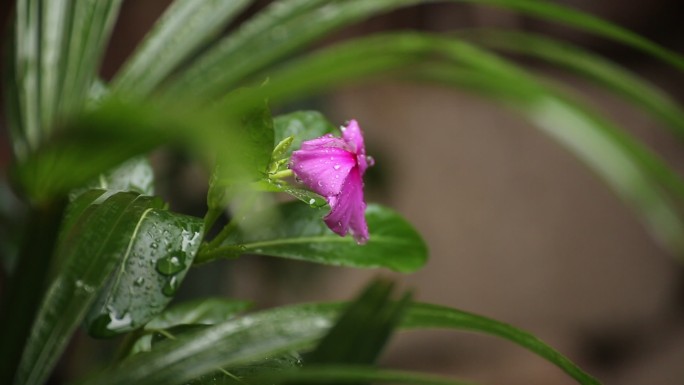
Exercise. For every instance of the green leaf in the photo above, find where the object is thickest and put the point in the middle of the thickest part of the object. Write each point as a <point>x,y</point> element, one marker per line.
<point>420,316</point>
<point>285,27</point>
<point>134,175</point>
<point>183,29</point>
<point>302,125</point>
<point>229,344</point>
<point>301,234</point>
<point>597,69</point>
<point>90,26</point>
<point>236,374</point>
<point>362,331</point>
<point>310,198</point>
<point>160,252</point>
<point>206,311</point>
<point>272,332</point>
<point>96,242</point>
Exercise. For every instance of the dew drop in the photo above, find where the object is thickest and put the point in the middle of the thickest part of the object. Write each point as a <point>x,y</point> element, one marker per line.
<point>170,287</point>
<point>312,201</point>
<point>337,167</point>
<point>370,160</point>
<point>320,183</point>
<point>139,281</point>
<point>154,245</point>
<point>171,264</point>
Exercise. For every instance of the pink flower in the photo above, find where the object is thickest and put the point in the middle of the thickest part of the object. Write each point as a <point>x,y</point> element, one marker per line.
<point>334,167</point>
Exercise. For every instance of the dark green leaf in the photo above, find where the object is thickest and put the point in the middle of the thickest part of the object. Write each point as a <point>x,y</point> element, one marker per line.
<point>180,32</point>
<point>276,331</point>
<point>206,311</point>
<point>160,252</point>
<point>362,331</point>
<point>229,344</point>
<point>421,316</point>
<point>302,125</point>
<point>96,242</point>
<point>301,234</point>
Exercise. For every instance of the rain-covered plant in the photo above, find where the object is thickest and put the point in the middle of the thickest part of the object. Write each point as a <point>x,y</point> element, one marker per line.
<point>99,249</point>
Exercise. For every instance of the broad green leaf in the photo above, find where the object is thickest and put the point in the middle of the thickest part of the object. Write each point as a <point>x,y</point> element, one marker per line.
<point>134,175</point>
<point>361,332</point>
<point>100,238</point>
<point>229,344</point>
<point>160,252</point>
<point>272,332</point>
<point>598,69</point>
<point>206,311</point>
<point>182,30</point>
<point>301,234</point>
<point>302,125</point>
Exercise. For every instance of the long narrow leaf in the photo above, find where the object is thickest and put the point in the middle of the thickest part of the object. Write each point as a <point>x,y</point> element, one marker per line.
<point>597,69</point>
<point>285,27</point>
<point>90,27</point>
<point>182,30</point>
<point>273,332</point>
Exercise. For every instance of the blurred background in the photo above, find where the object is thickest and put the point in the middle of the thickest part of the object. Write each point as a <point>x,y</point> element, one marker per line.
<point>518,229</point>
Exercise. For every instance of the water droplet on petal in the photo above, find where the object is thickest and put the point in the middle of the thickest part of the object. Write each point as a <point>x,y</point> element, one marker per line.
<point>337,167</point>
<point>370,160</point>
<point>320,183</point>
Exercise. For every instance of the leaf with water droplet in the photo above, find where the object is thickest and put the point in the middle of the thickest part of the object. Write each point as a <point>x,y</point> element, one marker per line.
<point>159,254</point>
<point>94,234</point>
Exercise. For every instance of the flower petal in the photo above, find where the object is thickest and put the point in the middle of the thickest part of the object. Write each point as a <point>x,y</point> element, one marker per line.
<point>323,167</point>
<point>348,209</point>
<point>353,136</point>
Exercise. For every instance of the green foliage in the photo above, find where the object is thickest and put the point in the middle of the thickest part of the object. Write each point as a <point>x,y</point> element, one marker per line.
<point>90,250</point>
<point>160,252</point>
<point>120,255</point>
<point>299,233</point>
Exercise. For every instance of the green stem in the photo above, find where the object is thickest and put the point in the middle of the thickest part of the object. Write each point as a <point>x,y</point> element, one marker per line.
<point>228,252</point>
<point>27,285</point>
<point>281,174</point>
